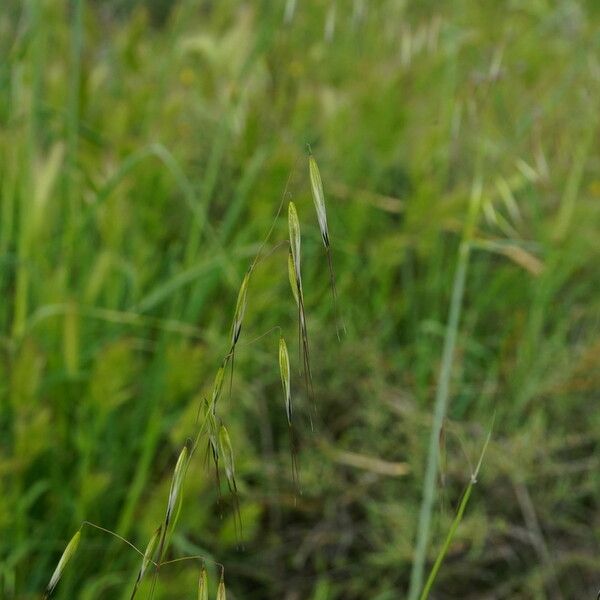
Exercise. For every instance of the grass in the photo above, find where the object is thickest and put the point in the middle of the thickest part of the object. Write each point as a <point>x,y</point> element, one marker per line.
<point>135,190</point>
<point>210,424</point>
<point>426,589</point>
<point>442,398</point>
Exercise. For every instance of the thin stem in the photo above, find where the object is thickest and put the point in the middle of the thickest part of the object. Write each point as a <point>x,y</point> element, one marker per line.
<point>284,195</point>
<point>119,537</point>
<point>262,335</point>
<point>444,550</point>
<point>442,396</point>
<point>457,519</point>
<point>201,557</point>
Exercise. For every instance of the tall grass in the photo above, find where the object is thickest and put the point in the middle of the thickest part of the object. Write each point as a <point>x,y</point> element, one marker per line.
<point>116,310</point>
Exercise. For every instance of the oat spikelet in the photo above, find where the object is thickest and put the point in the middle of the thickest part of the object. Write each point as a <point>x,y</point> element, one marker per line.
<point>62,563</point>
<point>229,465</point>
<point>292,277</point>
<point>319,201</point>
<point>213,442</point>
<point>284,370</point>
<point>296,283</point>
<point>203,584</point>
<point>176,483</point>
<point>318,198</point>
<point>148,554</point>
<point>227,454</point>
<point>174,501</point>
<point>221,592</point>
<point>295,239</point>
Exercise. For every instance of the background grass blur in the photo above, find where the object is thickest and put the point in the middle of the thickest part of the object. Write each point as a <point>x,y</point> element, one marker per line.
<point>144,149</point>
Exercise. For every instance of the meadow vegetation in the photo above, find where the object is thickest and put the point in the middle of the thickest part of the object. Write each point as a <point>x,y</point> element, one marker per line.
<point>145,150</point>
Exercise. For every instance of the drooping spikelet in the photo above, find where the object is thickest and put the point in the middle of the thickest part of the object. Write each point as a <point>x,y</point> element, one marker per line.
<point>319,201</point>
<point>284,370</point>
<point>148,557</point>
<point>203,584</point>
<point>221,592</point>
<point>229,465</point>
<point>295,276</point>
<point>62,563</point>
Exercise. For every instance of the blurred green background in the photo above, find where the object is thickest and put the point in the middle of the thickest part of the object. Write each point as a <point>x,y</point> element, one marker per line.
<point>144,150</point>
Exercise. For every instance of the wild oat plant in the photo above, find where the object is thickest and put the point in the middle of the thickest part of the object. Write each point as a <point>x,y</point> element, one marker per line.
<point>211,430</point>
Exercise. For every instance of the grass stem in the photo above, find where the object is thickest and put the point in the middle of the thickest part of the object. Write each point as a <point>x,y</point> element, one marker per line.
<point>442,396</point>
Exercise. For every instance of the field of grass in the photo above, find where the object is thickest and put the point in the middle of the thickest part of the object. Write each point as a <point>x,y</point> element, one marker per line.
<point>145,148</point>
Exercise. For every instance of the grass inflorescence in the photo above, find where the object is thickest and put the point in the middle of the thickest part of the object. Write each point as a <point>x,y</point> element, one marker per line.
<point>212,426</point>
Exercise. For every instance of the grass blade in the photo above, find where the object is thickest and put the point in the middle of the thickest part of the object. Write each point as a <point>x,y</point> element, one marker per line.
<point>455,523</point>
<point>442,395</point>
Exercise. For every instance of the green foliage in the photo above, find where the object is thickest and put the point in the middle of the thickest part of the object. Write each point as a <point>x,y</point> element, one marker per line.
<point>143,155</point>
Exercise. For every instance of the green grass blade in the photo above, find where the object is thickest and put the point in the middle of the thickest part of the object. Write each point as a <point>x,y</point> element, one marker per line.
<point>455,523</point>
<point>442,397</point>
